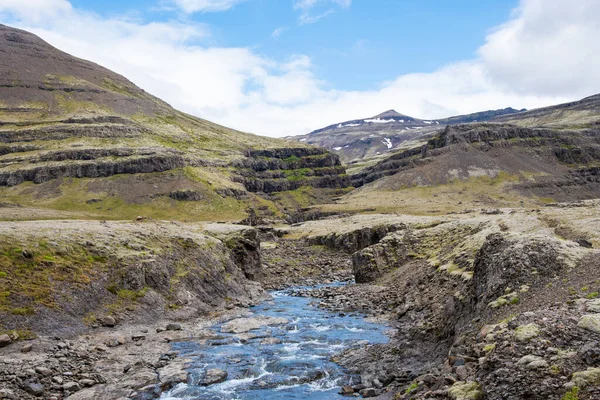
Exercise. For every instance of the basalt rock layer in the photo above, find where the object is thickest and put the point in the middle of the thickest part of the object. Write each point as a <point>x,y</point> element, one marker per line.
<point>80,132</point>
<point>546,162</point>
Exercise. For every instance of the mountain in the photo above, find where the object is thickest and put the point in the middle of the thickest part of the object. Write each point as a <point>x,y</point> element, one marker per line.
<point>81,139</point>
<point>534,157</point>
<point>583,113</point>
<point>362,139</point>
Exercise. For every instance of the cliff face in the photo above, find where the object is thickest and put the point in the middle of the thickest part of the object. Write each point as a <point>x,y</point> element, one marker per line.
<point>284,169</point>
<point>64,278</point>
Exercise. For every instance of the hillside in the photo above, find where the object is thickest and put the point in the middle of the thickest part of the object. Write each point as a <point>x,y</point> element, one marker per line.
<point>78,138</point>
<point>365,139</point>
<point>584,113</point>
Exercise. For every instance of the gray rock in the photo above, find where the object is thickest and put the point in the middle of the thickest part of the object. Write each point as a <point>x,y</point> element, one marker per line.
<point>532,362</point>
<point>241,325</point>
<point>591,322</point>
<point>115,341</point>
<point>5,340</point>
<point>43,371</point>
<point>34,388</point>
<point>369,392</point>
<point>271,340</point>
<point>87,382</point>
<point>108,320</point>
<point>173,327</point>
<point>27,348</point>
<point>7,394</point>
<point>214,376</point>
<point>71,386</point>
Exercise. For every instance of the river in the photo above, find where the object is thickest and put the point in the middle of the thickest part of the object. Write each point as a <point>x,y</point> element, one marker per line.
<point>297,366</point>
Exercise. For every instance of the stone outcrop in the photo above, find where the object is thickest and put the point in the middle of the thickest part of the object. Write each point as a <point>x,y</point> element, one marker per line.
<point>553,147</point>
<point>156,270</point>
<point>283,169</point>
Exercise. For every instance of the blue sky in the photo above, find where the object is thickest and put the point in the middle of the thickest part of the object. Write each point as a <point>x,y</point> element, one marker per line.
<point>284,67</point>
<point>353,48</point>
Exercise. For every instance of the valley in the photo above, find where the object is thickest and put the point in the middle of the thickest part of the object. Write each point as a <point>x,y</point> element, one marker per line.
<point>149,254</point>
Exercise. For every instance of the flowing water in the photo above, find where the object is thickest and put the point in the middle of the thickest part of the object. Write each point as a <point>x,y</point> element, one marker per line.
<point>297,368</point>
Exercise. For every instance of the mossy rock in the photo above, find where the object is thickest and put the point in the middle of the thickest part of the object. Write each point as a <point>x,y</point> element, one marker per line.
<point>590,322</point>
<point>465,391</point>
<point>590,376</point>
<point>527,332</point>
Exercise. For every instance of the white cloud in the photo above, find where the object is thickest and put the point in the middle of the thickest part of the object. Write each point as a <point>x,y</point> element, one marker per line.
<point>323,8</point>
<point>192,6</point>
<point>279,31</point>
<point>35,10</point>
<point>543,55</point>
<point>308,4</point>
<point>549,47</point>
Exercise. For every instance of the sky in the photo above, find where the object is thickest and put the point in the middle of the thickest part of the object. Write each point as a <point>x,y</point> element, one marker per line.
<point>286,67</point>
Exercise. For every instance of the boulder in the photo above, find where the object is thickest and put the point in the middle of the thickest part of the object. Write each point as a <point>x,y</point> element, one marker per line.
<point>214,376</point>
<point>369,392</point>
<point>241,325</point>
<point>27,348</point>
<point>590,376</point>
<point>34,388</point>
<point>525,333</point>
<point>590,322</point>
<point>532,362</point>
<point>71,387</point>
<point>465,391</point>
<point>346,390</point>
<point>5,340</point>
<point>108,321</point>
<point>173,327</point>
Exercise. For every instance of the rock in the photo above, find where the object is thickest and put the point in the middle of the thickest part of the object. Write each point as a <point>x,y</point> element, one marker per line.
<point>532,362</point>
<point>27,254</point>
<point>115,341</point>
<point>27,348</point>
<point>271,340</point>
<point>591,322</point>
<point>173,327</point>
<point>57,379</point>
<point>584,243</point>
<point>34,388</point>
<point>593,306</point>
<point>7,394</point>
<point>524,333</point>
<point>241,325</point>
<point>465,391</point>
<point>214,376</point>
<point>108,321</point>
<point>172,375</point>
<point>590,376</point>
<point>71,387</point>
<point>5,340</point>
<point>43,371</point>
<point>346,390</point>
<point>462,372</point>
<point>369,392</point>
<point>136,338</point>
<point>87,382</point>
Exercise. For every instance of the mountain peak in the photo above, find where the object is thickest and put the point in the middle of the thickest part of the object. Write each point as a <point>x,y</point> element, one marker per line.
<point>390,114</point>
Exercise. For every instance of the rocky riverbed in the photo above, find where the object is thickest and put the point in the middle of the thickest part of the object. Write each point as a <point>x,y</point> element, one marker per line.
<point>493,306</point>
